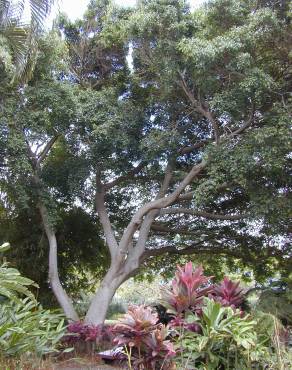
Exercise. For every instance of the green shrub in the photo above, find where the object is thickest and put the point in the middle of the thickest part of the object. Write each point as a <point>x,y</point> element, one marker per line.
<point>25,327</point>
<point>12,284</point>
<point>213,332</point>
<point>225,339</point>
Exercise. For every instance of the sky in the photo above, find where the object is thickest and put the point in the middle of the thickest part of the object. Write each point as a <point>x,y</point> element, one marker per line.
<point>75,8</point>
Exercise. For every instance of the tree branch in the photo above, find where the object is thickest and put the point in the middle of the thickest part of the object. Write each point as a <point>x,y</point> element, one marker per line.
<point>104,219</point>
<point>246,125</point>
<point>159,203</point>
<point>190,249</point>
<point>191,148</point>
<point>212,216</point>
<point>47,148</point>
<point>178,230</point>
<point>150,217</point>
<point>203,110</point>
<point>129,175</point>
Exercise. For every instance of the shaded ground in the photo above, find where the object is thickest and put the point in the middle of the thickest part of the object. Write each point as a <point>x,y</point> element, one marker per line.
<point>81,364</point>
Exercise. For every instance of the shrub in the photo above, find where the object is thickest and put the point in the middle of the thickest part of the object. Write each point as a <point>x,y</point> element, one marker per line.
<point>187,291</point>
<point>85,337</point>
<point>12,284</point>
<point>226,339</point>
<point>213,333</point>
<point>228,293</point>
<point>25,327</point>
<point>143,339</point>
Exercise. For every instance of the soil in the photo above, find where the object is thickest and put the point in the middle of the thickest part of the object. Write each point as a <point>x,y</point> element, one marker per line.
<point>81,364</point>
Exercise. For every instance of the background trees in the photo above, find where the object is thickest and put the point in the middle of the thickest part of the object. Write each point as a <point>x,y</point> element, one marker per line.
<point>186,153</point>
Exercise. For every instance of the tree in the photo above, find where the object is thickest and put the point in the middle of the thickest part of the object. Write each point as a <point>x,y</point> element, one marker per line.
<point>181,156</point>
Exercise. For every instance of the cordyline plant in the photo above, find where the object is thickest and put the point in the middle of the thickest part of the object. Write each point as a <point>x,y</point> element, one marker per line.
<point>144,339</point>
<point>79,333</point>
<point>189,288</point>
<point>228,293</point>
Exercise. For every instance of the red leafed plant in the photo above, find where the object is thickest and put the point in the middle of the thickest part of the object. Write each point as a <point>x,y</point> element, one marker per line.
<point>187,291</point>
<point>80,333</point>
<point>144,339</point>
<point>228,293</point>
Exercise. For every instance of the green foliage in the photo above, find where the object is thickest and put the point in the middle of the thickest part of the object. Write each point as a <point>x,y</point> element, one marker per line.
<point>25,327</point>
<point>21,38</point>
<point>226,339</point>
<point>12,284</point>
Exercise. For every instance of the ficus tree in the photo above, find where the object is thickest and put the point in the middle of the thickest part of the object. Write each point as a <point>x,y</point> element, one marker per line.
<point>183,151</point>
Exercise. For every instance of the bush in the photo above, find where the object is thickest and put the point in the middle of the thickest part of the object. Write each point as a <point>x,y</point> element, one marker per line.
<point>212,332</point>
<point>143,340</point>
<point>208,327</point>
<point>25,327</point>
<point>86,338</point>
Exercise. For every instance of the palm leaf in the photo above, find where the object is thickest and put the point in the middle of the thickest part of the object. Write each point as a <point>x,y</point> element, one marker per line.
<point>21,37</point>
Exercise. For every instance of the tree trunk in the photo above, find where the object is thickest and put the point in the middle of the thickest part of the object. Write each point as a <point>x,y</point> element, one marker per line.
<point>59,292</point>
<point>99,305</point>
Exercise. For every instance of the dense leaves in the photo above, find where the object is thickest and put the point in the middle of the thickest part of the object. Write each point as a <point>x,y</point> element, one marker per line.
<point>25,327</point>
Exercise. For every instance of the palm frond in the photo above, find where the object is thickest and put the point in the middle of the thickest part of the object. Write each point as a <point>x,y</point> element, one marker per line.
<point>21,37</point>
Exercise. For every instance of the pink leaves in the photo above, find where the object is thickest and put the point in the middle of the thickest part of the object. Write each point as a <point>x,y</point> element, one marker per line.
<point>140,331</point>
<point>190,286</point>
<point>187,289</point>
<point>228,293</point>
<point>78,332</point>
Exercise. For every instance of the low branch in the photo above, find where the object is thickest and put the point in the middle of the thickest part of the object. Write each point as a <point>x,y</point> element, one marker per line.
<point>190,249</point>
<point>177,230</point>
<point>211,216</point>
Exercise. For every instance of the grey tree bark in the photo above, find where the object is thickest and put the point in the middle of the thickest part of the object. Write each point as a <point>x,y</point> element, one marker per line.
<point>59,292</point>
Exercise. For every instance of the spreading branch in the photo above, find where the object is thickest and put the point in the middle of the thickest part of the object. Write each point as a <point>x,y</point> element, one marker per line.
<point>150,217</point>
<point>246,125</point>
<point>159,204</point>
<point>212,216</point>
<point>203,109</point>
<point>126,177</point>
<point>177,230</point>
